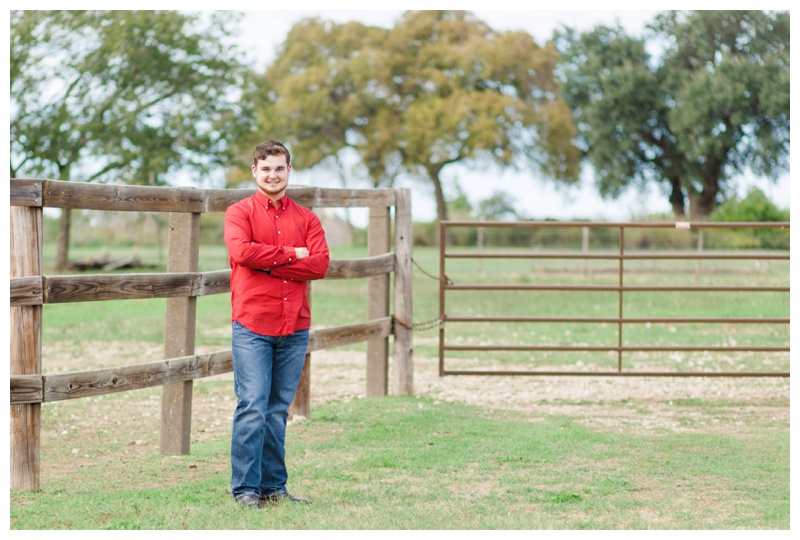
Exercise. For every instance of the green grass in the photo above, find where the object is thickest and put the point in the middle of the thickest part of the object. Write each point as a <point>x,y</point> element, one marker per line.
<point>415,463</point>
<point>419,463</point>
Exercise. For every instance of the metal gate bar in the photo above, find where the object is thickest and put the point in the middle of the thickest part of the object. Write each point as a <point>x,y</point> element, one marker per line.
<point>621,289</point>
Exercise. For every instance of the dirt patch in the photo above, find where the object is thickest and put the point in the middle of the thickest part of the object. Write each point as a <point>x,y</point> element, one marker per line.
<point>630,404</point>
<point>611,403</point>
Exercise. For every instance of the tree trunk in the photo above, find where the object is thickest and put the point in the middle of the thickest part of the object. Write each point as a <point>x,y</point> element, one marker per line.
<point>677,198</point>
<point>702,204</point>
<point>705,202</point>
<point>62,242</point>
<point>441,204</point>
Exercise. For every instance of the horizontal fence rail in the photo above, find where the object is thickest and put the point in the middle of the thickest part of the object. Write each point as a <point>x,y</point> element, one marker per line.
<point>123,198</point>
<point>80,384</point>
<point>181,285</point>
<point>37,290</point>
<point>620,288</point>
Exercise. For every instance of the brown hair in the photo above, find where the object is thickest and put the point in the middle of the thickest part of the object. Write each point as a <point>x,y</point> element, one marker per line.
<point>271,148</point>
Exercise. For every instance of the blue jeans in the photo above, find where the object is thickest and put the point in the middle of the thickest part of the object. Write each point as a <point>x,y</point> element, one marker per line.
<point>266,372</point>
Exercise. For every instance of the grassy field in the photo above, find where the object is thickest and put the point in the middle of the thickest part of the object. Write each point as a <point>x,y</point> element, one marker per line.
<point>464,452</point>
<point>418,463</point>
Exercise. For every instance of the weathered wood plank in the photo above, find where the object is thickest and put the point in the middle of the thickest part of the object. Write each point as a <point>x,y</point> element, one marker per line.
<point>215,282</point>
<point>403,367</point>
<point>26,389</point>
<point>179,333</point>
<point>127,198</point>
<point>341,198</point>
<point>122,197</point>
<point>218,281</point>
<point>361,268</point>
<point>37,290</point>
<point>301,402</point>
<point>26,192</point>
<point>95,287</point>
<point>345,335</point>
<point>25,426</point>
<point>27,291</point>
<point>25,347</point>
<point>378,244</point>
<point>107,381</point>
<point>218,200</point>
<point>81,384</point>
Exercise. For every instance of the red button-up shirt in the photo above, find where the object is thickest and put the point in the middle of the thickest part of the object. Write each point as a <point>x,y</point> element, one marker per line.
<point>260,236</point>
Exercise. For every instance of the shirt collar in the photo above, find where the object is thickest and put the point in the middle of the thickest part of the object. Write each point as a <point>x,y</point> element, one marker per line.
<point>266,202</point>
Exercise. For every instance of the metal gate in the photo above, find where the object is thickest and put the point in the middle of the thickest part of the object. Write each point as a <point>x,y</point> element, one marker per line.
<point>619,286</point>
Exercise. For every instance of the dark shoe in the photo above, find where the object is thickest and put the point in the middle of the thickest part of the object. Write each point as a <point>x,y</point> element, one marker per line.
<point>284,496</point>
<point>249,500</point>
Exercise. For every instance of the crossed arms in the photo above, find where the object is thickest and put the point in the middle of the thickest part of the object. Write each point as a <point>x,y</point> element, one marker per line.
<point>298,263</point>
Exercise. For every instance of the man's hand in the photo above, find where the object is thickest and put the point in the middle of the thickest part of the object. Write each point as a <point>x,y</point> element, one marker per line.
<point>301,252</point>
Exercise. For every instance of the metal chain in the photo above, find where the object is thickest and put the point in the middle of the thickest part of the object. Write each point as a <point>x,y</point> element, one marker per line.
<point>421,326</point>
<point>427,325</point>
<point>432,323</point>
<point>447,280</point>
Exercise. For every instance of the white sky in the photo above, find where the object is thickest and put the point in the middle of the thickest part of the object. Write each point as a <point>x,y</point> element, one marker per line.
<point>263,31</point>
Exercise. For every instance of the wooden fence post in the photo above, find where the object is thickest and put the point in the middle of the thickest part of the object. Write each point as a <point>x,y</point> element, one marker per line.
<point>301,404</point>
<point>179,333</point>
<point>378,243</point>
<point>403,366</point>
<point>26,348</point>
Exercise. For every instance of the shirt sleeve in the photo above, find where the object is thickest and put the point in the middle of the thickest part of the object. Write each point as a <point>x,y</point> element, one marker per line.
<point>315,266</point>
<point>244,251</point>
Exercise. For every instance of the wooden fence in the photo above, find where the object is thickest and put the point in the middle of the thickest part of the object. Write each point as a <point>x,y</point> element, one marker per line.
<point>181,285</point>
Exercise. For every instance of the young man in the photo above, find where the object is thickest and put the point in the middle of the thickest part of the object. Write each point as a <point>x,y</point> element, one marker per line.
<point>275,247</point>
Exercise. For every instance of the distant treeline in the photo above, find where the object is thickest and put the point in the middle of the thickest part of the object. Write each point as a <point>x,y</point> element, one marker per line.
<point>425,234</point>
<point>93,228</point>
<point>754,207</point>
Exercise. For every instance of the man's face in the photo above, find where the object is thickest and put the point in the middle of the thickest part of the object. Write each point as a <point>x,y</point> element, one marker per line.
<point>272,175</point>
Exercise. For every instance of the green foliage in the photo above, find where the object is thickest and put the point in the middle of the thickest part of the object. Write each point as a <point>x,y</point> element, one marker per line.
<point>712,104</point>
<point>498,207</point>
<point>439,87</point>
<point>756,207</point>
<point>122,95</point>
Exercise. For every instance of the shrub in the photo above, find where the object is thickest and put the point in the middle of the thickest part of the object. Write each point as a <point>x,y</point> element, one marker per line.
<point>754,207</point>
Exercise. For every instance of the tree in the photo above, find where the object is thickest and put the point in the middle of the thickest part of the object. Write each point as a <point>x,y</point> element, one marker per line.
<point>713,104</point>
<point>438,88</point>
<point>316,94</point>
<point>128,96</point>
<point>755,206</point>
<point>498,207</point>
